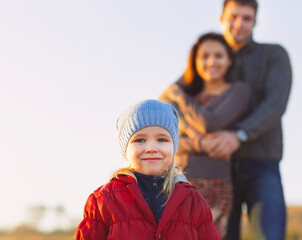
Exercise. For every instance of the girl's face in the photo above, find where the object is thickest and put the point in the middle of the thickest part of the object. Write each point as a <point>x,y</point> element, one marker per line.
<point>212,61</point>
<point>150,151</point>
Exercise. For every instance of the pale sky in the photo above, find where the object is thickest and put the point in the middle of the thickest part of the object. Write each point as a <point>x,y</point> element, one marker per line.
<point>67,69</point>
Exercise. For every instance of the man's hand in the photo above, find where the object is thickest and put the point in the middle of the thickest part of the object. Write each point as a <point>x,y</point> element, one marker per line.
<point>221,144</point>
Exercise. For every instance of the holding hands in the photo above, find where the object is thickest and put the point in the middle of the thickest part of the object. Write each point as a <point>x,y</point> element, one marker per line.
<point>218,145</point>
<point>221,144</point>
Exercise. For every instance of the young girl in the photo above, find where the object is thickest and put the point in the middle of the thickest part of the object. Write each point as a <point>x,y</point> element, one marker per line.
<point>149,199</point>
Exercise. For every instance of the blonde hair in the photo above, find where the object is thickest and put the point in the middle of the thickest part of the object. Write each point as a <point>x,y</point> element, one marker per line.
<point>169,183</point>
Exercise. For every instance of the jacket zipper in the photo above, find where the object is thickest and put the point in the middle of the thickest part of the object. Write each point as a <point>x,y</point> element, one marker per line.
<point>154,185</point>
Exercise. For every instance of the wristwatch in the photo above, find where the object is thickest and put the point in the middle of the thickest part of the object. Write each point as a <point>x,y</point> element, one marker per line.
<point>241,134</point>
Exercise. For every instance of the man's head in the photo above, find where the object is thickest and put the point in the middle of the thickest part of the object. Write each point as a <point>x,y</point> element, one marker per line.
<point>238,20</point>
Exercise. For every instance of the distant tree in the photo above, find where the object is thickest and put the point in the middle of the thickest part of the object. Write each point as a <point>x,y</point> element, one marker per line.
<point>61,215</point>
<point>36,214</point>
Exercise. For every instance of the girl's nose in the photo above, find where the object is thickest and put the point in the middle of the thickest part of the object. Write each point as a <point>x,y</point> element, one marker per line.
<point>151,147</point>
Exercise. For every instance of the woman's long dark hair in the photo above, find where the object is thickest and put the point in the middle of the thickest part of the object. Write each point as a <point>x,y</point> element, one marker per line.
<point>191,82</point>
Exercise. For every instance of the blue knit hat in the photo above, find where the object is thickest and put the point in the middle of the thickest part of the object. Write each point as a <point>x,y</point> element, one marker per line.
<point>143,114</point>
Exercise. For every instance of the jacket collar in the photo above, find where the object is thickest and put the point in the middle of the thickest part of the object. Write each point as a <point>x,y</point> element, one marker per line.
<point>182,189</point>
<point>124,177</point>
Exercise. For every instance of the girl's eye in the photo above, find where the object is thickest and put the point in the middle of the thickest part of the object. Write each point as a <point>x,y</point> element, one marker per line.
<point>139,140</point>
<point>162,140</point>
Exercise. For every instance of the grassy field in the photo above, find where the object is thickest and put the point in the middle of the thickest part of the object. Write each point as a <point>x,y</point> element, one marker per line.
<point>294,225</point>
<point>294,230</point>
<point>37,236</point>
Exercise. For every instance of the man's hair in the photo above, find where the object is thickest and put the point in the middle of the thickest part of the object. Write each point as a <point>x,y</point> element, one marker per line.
<point>252,3</point>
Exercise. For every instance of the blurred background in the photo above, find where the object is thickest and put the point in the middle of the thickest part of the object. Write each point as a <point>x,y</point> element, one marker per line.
<point>67,69</point>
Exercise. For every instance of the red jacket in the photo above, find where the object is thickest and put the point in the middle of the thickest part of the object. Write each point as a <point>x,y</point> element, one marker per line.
<point>119,211</point>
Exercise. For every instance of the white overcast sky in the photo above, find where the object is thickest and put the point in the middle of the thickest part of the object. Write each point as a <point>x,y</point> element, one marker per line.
<point>68,67</point>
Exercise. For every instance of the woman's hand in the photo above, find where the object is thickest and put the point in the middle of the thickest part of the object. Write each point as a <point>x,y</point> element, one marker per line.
<point>211,145</point>
<point>221,144</point>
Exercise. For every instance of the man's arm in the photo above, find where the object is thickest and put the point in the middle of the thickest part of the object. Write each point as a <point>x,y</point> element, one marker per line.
<point>277,87</point>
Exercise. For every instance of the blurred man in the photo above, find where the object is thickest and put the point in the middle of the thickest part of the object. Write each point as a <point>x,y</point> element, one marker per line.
<point>257,141</point>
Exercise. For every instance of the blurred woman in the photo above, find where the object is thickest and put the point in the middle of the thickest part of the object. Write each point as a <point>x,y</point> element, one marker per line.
<point>207,101</point>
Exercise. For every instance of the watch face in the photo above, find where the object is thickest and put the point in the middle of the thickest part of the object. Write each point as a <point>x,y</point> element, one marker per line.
<point>242,135</point>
